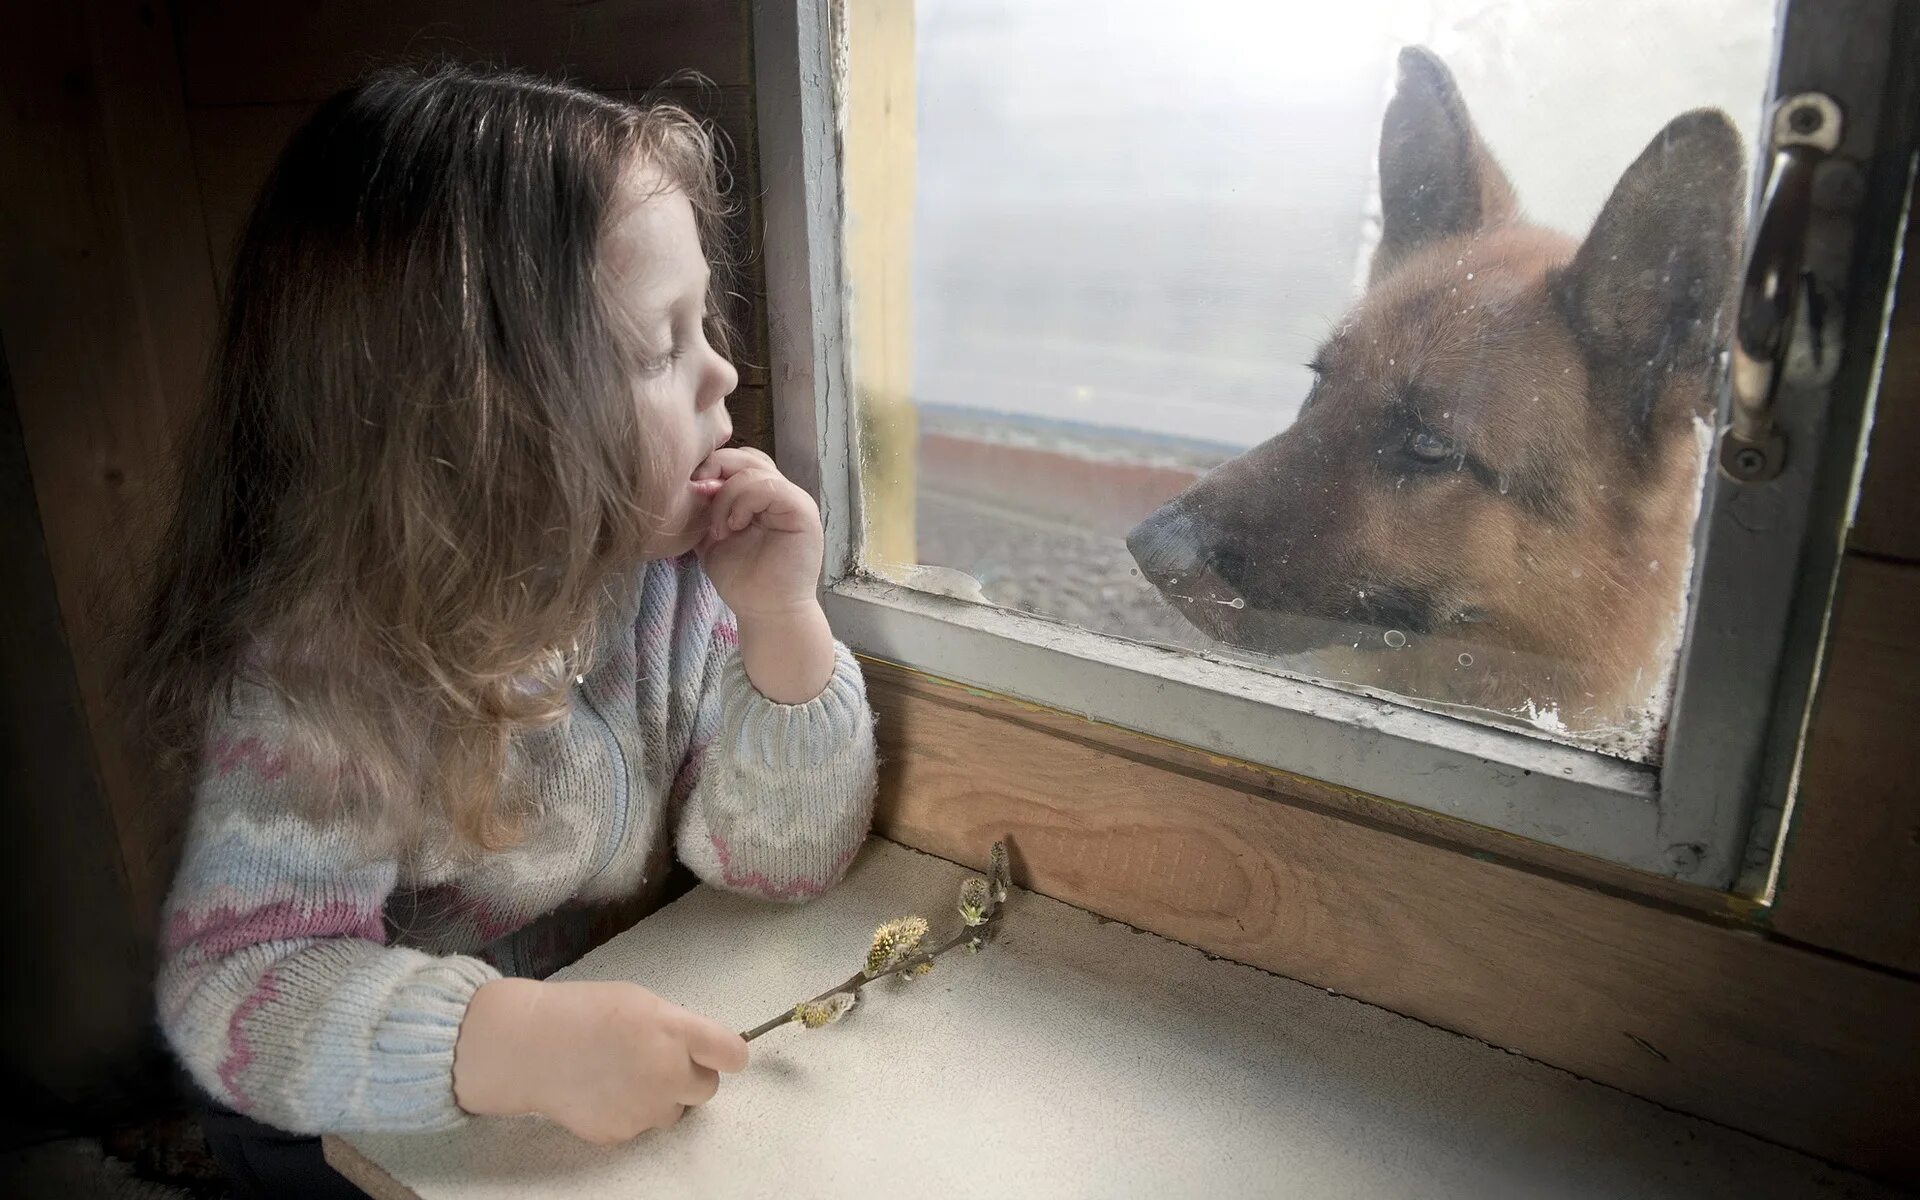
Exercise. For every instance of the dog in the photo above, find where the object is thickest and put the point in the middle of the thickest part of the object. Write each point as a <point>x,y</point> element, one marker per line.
<point>1488,496</point>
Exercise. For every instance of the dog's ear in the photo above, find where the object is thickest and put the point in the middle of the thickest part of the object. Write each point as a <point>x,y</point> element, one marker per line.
<point>1436,177</point>
<point>1646,290</point>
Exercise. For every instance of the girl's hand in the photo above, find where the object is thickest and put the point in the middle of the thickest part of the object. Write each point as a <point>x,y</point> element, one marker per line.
<point>762,552</point>
<point>604,1060</point>
<point>763,541</point>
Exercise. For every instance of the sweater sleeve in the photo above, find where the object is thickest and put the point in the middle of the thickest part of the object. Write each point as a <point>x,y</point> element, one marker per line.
<point>782,794</point>
<point>276,987</point>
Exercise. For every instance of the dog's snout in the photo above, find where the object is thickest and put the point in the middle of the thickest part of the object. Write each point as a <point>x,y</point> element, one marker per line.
<point>1167,544</point>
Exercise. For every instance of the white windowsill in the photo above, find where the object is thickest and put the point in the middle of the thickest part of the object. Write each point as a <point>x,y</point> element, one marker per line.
<point>1076,1057</point>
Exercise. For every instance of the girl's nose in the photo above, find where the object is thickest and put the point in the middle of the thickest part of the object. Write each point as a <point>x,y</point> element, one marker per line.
<point>719,383</point>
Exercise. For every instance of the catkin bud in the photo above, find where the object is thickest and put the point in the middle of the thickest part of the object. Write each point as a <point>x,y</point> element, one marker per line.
<point>894,943</point>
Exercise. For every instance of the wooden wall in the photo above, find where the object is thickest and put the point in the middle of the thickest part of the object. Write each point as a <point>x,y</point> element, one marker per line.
<point>1851,880</point>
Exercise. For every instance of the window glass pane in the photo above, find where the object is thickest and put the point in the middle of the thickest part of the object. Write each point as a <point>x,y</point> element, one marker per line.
<point>1372,342</point>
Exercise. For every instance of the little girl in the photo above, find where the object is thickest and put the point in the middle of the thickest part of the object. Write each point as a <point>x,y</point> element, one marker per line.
<point>469,617</point>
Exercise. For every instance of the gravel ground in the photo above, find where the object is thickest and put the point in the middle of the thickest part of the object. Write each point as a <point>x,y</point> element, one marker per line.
<point>1029,563</point>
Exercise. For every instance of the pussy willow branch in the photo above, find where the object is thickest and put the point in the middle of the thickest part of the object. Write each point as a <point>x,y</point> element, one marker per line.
<point>983,931</point>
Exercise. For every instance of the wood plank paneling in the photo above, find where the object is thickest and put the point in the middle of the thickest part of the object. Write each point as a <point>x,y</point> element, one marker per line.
<point>1719,1021</point>
<point>77,977</point>
<point>107,307</point>
<point>245,52</point>
<point>1887,521</point>
<point>1851,880</point>
<point>1406,820</point>
<point>234,147</point>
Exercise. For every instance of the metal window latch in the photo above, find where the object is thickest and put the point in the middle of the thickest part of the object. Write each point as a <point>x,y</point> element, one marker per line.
<point>1806,129</point>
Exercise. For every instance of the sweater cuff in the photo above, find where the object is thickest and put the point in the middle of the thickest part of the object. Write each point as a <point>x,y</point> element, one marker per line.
<point>411,1086</point>
<point>784,737</point>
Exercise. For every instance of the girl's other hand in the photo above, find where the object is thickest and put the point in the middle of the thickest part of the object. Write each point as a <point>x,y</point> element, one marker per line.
<point>606,1061</point>
<point>763,542</point>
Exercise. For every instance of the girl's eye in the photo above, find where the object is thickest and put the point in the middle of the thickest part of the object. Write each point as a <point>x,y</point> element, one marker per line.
<point>659,366</point>
<point>1429,448</point>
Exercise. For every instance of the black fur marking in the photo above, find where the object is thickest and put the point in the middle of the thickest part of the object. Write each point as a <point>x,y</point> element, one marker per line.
<point>1404,607</point>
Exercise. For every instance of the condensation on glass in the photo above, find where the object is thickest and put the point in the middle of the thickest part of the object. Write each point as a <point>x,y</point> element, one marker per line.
<point>1375,343</point>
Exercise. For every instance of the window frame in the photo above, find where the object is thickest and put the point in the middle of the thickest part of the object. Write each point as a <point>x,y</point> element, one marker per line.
<point>1712,813</point>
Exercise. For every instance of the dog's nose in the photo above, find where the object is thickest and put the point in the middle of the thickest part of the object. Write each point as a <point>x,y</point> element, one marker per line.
<point>1168,544</point>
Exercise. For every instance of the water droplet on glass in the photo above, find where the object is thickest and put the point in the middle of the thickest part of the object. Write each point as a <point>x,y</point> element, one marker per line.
<point>1466,660</point>
<point>1394,639</point>
<point>1236,602</point>
<point>1469,274</point>
<point>1504,485</point>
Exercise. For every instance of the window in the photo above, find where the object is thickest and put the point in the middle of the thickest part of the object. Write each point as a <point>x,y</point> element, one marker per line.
<point>1382,393</point>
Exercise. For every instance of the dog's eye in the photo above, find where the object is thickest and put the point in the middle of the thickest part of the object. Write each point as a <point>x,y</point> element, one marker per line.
<point>1313,388</point>
<point>1429,448</point>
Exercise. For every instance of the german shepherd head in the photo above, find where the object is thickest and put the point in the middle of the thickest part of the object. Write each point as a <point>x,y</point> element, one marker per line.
<point>1488,495</point>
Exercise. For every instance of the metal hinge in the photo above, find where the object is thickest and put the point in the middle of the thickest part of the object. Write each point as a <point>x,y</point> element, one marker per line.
<point>1806,129</point>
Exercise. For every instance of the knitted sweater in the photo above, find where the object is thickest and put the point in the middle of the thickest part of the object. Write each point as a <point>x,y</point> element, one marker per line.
<point>318,988</point>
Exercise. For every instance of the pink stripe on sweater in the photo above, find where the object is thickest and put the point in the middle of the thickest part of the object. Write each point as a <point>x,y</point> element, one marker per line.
<point>761,885</point>
<point>239,1048</point>
<point>229,754</point>
<point>224,929</point>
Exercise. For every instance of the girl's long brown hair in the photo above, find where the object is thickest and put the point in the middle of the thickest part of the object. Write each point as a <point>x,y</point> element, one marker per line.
<point>419,473</point>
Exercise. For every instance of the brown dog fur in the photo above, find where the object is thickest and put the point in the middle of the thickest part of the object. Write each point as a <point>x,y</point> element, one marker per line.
<point>1501,458</point>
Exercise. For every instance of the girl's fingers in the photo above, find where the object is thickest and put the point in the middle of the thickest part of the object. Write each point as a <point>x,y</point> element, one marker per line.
<point>742,498</point>
<point>714,1046</point>
<point>729,461</point>
<point>701,1086</point>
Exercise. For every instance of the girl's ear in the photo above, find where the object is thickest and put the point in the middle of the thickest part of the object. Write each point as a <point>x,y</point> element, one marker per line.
<point>1436,178</point>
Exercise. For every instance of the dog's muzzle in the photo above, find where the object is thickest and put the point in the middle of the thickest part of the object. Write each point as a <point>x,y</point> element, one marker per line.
<point>1169,546</point>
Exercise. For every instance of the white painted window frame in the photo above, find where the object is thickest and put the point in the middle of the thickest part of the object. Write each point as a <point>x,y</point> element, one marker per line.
<point>1710,814</point>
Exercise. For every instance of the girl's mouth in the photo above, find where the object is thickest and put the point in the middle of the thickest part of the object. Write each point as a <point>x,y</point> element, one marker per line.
<point>705,488</point>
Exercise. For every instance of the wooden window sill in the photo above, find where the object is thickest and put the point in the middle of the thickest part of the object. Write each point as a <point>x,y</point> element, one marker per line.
<point>1075,1057</point>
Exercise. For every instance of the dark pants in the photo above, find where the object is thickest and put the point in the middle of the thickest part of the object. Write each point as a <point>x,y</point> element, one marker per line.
<point>264,1162</point>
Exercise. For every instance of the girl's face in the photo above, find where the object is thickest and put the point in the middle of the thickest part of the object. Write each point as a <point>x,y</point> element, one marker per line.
<point>657,291</point>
